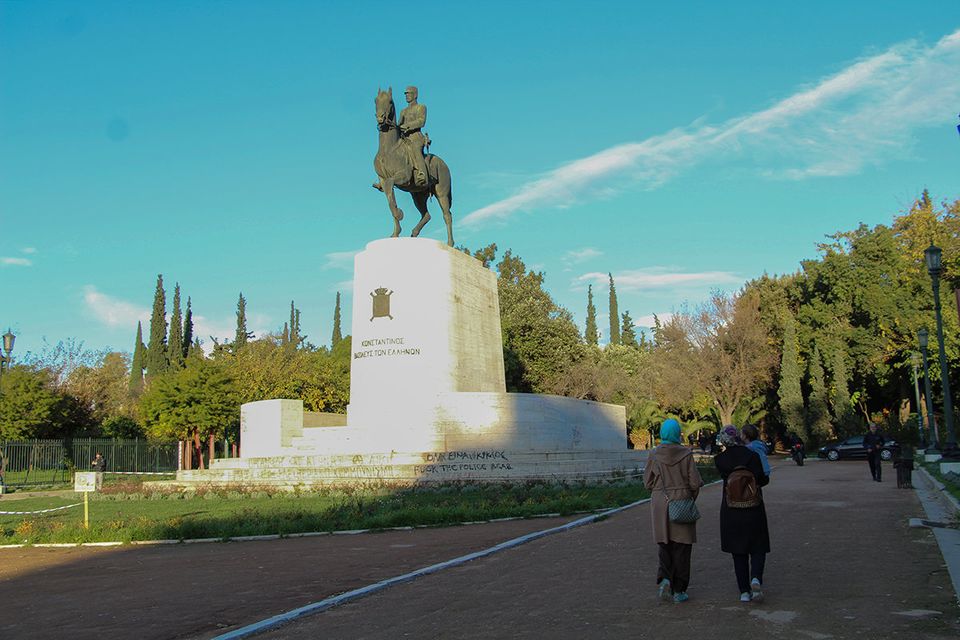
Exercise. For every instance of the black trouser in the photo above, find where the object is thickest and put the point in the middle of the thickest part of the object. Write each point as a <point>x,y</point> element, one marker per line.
<point>748,566</point>
<point>675,565</point>
<point>874,459</point>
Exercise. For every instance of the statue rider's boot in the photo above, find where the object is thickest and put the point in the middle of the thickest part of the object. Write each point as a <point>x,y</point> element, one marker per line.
<point>378,186</point>
<point>420,174</point>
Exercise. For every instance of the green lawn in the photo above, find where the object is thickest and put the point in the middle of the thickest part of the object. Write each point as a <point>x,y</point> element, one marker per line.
<point>127,516</point>
<point>125,512</point>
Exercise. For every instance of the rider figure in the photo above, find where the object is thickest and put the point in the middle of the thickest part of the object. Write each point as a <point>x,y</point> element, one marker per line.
<point>412,119</point>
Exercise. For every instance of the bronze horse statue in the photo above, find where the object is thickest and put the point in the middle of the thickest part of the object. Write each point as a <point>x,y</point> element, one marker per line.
<point>395,168</point>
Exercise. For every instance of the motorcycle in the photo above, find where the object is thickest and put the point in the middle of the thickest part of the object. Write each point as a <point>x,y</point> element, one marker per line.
<point>796,452</point>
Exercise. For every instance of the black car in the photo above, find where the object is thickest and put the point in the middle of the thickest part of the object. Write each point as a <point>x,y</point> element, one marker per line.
<point>852,447</point>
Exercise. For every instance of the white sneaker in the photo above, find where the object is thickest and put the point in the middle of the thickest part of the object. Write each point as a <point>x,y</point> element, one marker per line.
<point>745,597</point>
<point>756,590</point>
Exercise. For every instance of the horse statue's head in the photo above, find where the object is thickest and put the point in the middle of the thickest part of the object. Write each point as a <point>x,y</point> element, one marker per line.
<point>386,111</point>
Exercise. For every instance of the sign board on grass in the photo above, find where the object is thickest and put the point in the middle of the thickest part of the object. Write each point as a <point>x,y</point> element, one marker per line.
<point>87,481</point>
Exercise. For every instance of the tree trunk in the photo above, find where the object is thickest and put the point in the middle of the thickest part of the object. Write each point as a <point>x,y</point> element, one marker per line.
<point>210,461</point>
<point>199,448</point>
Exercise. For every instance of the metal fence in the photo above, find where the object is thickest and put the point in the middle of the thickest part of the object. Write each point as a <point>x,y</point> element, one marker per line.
<point>37,462</point>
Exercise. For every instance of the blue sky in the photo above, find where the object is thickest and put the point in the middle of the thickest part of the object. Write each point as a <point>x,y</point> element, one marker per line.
<point>684,147</point>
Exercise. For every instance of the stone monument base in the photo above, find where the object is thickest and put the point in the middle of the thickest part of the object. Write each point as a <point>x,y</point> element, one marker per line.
<point>492,437</point>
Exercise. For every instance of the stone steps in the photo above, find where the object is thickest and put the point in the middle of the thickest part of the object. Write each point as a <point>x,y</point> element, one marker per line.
<point>412,468</point>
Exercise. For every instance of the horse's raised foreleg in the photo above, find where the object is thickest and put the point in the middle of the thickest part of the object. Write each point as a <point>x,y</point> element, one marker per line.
<point>392,202</point>
<point>420,200</point>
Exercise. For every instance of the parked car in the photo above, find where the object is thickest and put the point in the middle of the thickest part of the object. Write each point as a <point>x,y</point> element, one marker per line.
<point>852,447</point>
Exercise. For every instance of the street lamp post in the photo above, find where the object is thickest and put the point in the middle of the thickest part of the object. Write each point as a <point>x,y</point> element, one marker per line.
<point>8,340</point>
<point>924,338</point>
<point>915,361</point>
<point>933,256</point>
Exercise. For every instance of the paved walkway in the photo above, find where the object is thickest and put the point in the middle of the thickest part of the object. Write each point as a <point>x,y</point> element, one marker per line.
<point>845,564</point>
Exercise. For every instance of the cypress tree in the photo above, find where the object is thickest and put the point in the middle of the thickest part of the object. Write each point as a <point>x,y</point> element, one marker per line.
<point>789,394</point>
<point>819,411</point>
<point>590,333</point>
<point>628,336</point>
<point>187,330</point>
<point>136,366</point>
<point>175,344</point>
<point>156,360</point>
<point>843,412</point>
<point>337,335</point>
<point>294,337</point>
<point>240,337</point>
<point>614,314</point>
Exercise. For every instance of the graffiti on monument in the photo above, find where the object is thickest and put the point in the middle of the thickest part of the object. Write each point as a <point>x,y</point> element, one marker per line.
<point>463,461</point>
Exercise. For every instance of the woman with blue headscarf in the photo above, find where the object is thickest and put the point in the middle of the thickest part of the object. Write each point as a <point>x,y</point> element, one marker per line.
<point>671,474</point>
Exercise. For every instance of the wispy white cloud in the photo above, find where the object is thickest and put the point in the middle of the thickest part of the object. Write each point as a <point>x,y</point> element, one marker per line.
<point>111,311</point>
<point>340,260</point>
<point>647,322</point>
<point>6,261</point>
<point>861,115</point>
<point>223,330</point>
<point>660,277</point>
<point>28,250</point>
<point>576,256</point>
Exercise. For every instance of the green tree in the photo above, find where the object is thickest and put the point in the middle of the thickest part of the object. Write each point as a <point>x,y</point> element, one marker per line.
<point>790,393</point>
<point>191,404</point>
<point>628,335</point>
<point>101,390</point>
<point>30,407</point>
<point>187,330</point>
<point>321,378</point>
<point>337,335</point>
<point>818,411</point>
<point>614,314</point>
<point>242,335</point>
<point>540,340</point>
<point>135,385</point>
<point>156,360</point>
<point>175,343</point>
<point>122,427</point>
<point>844,415</point>
<point>591,333</point>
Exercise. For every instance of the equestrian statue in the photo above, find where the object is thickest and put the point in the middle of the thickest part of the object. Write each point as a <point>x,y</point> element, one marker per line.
<point>401,162</point>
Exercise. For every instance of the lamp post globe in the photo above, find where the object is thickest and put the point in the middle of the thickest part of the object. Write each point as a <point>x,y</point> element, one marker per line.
<point>8,340</point>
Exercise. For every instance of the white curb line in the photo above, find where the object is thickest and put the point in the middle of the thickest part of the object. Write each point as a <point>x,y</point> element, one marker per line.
<point>333,601</point>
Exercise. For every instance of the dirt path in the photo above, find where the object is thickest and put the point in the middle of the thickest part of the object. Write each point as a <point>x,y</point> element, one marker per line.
<point>844,565</point>
<point>198,590</point>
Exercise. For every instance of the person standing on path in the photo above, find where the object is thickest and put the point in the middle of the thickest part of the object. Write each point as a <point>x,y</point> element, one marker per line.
<point>751,437</point>
<point>873,442</point>
<point>743,518</point>
<point>671,474</point>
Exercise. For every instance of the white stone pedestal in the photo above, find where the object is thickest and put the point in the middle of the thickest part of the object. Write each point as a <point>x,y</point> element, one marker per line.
<point>428,399</point>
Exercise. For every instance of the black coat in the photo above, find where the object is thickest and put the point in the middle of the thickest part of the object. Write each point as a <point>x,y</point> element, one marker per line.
<point>742,530</point>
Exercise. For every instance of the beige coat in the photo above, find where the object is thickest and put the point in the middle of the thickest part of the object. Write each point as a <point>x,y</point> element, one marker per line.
<point>670,470</point>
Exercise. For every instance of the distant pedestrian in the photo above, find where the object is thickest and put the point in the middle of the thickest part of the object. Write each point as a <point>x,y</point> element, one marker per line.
<point>743,518</point>
<point>671,475</point>
<point>751,437</point>
<point>98,463</point>
<point>873,442</point>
